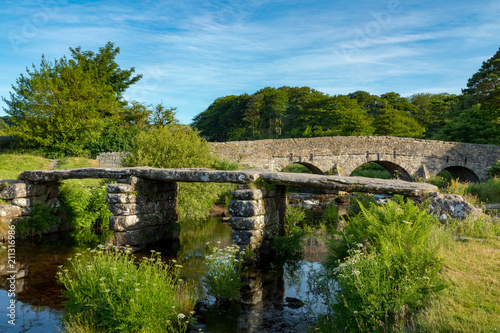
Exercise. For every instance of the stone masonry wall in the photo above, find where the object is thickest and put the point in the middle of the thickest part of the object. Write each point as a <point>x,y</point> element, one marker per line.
<point>257,216</point>
<point>413,157</point>
<point>21,196</point>
<point>111,160</point>
<point>144,211</point>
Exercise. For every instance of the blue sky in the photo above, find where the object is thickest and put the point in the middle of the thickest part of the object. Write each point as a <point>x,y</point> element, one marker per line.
<point>192,52</point>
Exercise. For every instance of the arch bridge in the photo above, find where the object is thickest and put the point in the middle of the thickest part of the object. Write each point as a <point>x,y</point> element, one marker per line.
<point>404,158</point>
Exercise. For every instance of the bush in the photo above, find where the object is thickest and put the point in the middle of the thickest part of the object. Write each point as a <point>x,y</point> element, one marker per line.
<point>331,214</point>
<point>222,278</point>
<point>108,291</point>
<point>290,245</point>
<point>494,171</point>
<point>178,146</point>
<point>358,200</point>
<point>385,266</point>
<point>39,222</point>
<point>488,191</point>
<point>84,205</point>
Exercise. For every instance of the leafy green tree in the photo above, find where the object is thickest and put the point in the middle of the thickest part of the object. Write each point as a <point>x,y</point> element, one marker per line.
<point>104,65</point>
<point>162,116</point>
<point>484,87</point>
<point>476,115</point>
<point>432,110</point>
<point>223,119</point>
<point>394,122</point>
<point>471,125</point>
<point>63,106</point>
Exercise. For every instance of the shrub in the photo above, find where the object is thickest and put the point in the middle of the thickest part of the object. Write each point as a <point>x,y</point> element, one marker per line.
<point>290,245</point>
<point>488,191</point>
<point>178,146</point>
<point>331,213</point>
<point>109,291</point>
<point>84,205</point>
<point>494,171</point>
<point>39,222</point>
<point>358,200</point>
<point>222,278</point>
<point>293,216</point>
<point>385,266</point>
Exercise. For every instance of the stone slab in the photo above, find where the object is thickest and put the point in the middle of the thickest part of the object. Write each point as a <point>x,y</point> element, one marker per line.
<point>351,184</point>
<point>9,211</point>
<point>16,190</point>
<point>182,175</point>
<point>247,223</point>
<point>246,208</point>
<point>139,221</point>
<point>141,236</point>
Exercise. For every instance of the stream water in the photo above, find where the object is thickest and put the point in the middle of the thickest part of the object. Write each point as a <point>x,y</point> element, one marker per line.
<point>270,302</point>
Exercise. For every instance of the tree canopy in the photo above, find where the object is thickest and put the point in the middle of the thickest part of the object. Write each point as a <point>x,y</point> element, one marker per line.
<point>66,104</point>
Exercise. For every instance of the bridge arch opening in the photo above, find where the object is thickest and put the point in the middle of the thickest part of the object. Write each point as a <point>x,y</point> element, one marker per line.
<point>381,169</point>
<point>302,167</point>
<point>462,173</point>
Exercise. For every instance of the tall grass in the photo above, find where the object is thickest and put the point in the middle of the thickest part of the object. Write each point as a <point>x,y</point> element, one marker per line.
<point>385,266</point>
<point>487,192</point>
<point>222,278</point>
<point>109,291</point>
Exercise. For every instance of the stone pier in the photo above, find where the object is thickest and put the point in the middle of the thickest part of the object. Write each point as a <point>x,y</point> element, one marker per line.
<point>257,216</point>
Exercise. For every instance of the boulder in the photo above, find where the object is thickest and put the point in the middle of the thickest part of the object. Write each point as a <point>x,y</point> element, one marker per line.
<point>453,206</point>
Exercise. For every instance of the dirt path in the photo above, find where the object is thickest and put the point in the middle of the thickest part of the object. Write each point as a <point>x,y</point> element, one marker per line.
<point>52,165</point>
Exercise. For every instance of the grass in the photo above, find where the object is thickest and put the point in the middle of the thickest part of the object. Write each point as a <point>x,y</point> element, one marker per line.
<point>487,192</point>
<point>470,304</point>
<point>12,165</point>
<point>76,163</point>
<point>109,291</point>
<point>469,253</point>
<point>371,170</point>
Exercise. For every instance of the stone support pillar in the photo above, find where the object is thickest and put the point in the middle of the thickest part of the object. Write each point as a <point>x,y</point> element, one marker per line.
<point>144,211</point>
<point>20,196</point>
<point>257,216</point>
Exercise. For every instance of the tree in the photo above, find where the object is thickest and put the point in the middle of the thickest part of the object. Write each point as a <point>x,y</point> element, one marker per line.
<point>396,122</point>
<point>162,116</point>
<point>64,105</point>
<point>484,87</point>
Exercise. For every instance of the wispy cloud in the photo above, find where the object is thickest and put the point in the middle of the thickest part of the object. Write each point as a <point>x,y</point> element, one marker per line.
<point>192,52</point>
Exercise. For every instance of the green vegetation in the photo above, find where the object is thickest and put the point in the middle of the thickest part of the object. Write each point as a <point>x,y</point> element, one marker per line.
<point>295,167</point>
<point>494,171</point>
<point>75,163</point>
<point>12,165</point>
<point>487,192</point>
<point>222,278</point>
<point>288,247</point>
<point>39,222</point>
<point>371,170</point>
<point>386,268</point>
<point>178,146</point>
<point>83,203</point>
<point>108,291</point>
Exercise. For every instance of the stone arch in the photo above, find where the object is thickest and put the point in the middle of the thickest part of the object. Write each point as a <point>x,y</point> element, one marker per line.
<point>463,173</point>
<point>394,169</point>
<point>314,169</point>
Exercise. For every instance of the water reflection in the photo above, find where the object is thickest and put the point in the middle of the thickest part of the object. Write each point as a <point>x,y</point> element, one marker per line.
<point>271,300</point>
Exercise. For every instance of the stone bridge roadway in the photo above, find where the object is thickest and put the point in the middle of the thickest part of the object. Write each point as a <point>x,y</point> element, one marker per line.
<point>404,158</point>
<point>144,200</point>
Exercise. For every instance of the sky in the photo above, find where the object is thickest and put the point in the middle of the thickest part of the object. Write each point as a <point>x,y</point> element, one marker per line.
<point>193,52</point>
